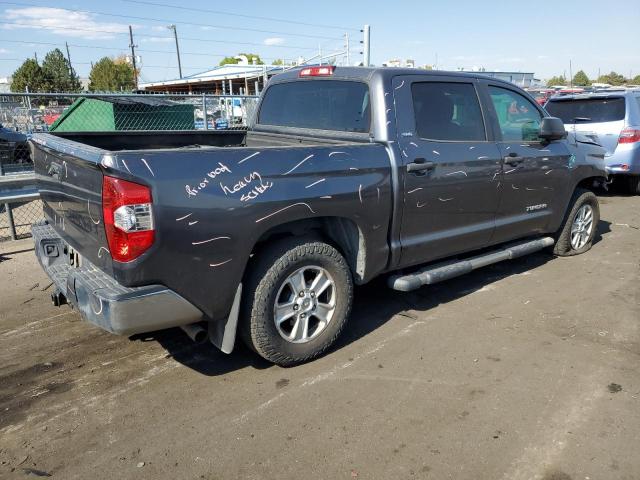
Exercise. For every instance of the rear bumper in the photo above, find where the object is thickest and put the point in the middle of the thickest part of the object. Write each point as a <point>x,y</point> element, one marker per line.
<point>625,160</point>
<point>104,302</point>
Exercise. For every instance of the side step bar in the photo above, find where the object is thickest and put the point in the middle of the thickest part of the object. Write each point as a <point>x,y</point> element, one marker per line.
<point>444,271</point>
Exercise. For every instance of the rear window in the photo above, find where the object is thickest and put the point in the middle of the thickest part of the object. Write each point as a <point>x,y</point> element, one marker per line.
<point>588,110</point>
<point>318,104</point>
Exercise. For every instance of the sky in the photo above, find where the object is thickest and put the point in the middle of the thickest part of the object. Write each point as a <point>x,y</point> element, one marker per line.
<point>541,37</point>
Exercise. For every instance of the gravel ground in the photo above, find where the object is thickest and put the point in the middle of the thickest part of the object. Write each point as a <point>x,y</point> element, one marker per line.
<point>523,370</point>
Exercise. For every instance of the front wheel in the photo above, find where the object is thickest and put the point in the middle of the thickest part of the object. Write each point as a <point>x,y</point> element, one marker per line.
<point>298,300</point>
<point>579,226</point>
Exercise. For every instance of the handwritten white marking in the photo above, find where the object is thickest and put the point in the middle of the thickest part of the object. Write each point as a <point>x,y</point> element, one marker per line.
<point>387,111</point>
<point>457,172</point>
<point>547,173</point>
<point>514,187</point>
<point>326,196</point>
<point>100,251</point>
<point>286,208</point>
<point>404,154</point>
<point>436,152</point>
<point>389,122</point>
<point>445,199</point>
<point>378,190</point>
<point>221,263</point>
<point>66,174</point>
<point>194,222</point>
<point>126,166</point>
<point>414,144</point>
<point>471,148</point>
<point>305,159</point>
<point>512,170</point>
<point>210,240</point>
<point>315,183</point>
<point>530,189</point>
<point>93,308</point>
<point>90,216</point>
<point>360,192</point>
<point>336,153</point>
<point>247,158</point>
<point>414,190</point>
<point>148,167</point>
<point>420,205</point>
<point>386,93</point>
<point>182,218</point>
<point>400,86</point>
<point>495,175</point>
<point>483,157</point>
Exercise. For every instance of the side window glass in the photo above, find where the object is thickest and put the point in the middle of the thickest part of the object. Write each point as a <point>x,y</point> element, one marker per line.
<point>447,111</point>
<point>519,119</point>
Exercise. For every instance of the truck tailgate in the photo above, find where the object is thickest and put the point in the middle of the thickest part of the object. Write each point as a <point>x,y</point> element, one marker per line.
<point>69,178</point>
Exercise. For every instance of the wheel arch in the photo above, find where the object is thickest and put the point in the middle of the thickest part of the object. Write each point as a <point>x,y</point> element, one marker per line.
<point>341,232</point>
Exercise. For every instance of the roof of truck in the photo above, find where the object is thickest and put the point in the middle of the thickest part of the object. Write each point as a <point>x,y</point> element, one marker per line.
<point>367,73</point>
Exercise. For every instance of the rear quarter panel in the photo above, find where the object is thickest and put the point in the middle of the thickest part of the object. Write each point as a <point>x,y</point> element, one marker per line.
<point>211,207</point>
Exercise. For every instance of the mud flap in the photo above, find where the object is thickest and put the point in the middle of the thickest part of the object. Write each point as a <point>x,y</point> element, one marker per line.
<point>223,333</point>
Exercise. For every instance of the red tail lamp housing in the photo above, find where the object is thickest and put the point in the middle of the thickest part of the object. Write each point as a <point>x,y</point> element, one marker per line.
<point>128,218</point>
<point>325,71</point>
<point>629,135</point>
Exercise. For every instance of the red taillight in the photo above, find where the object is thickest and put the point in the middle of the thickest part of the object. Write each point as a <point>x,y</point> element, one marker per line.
<point>317,71</point>
<point>128,219</point>
<point>629,135</point>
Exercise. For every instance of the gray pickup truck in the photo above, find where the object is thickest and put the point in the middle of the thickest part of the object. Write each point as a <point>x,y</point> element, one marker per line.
<point>345,174</point>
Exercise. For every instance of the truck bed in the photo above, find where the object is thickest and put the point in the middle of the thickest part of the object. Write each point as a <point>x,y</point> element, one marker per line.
<point>152,140</point>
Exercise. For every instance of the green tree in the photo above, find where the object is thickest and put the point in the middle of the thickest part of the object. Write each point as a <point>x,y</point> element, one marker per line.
<point>636,80</point>
<point>557,81</point>
<point>28,75</point>
<point>278,61</point>
<point>580,79</point>
<point>612,78</point>
<point>58,73</point>
<point>234,61</point>
<point>111,75</point>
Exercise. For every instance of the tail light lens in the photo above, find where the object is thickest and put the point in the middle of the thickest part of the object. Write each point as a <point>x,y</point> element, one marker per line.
<point>317,71</point>
<point>629,135</point>
<point>128,218</point>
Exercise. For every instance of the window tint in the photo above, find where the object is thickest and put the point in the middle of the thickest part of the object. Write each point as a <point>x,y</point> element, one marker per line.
<point>447,111</point>
<point>588,110</point>
<point>518,117</point>
<point>319,104</point>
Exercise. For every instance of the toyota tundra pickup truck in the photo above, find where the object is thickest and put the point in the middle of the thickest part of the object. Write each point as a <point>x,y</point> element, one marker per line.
<point>344,175</point>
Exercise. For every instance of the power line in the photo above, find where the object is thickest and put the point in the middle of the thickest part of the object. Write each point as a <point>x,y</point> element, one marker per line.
<point>220,12</point>
<point>166,21</point>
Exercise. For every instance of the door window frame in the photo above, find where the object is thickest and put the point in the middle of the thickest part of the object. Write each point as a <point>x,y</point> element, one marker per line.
<point>412,79</point>
<point>493,114</point>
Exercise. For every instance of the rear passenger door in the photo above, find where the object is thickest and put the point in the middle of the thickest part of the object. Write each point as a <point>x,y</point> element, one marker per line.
<point>535,174</point>
<point>451,168</point>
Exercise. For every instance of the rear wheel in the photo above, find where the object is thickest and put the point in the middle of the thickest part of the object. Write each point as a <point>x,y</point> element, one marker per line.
<point>632,185</point>
<point>579,226</point>
<point>298,300</point>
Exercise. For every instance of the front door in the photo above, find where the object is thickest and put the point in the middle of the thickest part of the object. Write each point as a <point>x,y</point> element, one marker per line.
<point>535,173</point>
<point>451,170</point>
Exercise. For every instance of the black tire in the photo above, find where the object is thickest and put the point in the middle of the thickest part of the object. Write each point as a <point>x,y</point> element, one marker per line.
<point>632,185</point>
<point>266,281</point>
<point>581,197</point>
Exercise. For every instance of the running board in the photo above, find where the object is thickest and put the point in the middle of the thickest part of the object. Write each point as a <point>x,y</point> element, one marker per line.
<point>444,271</point>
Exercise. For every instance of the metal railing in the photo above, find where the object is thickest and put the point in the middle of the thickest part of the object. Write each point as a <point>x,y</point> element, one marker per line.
<point>20,206</point>
<point>36,112</point>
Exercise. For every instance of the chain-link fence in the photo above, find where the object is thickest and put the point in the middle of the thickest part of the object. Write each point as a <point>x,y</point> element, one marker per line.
<point>117,112</point>
<point>16,219</point>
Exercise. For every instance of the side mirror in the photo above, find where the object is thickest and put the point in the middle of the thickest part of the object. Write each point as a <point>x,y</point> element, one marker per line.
<point>552,128</point>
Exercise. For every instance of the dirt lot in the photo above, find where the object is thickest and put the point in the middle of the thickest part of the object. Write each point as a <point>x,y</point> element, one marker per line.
<point>524,370</point>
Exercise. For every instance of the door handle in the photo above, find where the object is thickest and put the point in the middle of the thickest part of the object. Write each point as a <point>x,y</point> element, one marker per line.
<point>513,159</point>
<point>420,165</point>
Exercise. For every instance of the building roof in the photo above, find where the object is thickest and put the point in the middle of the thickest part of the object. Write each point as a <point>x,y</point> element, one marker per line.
<point>224,72</point>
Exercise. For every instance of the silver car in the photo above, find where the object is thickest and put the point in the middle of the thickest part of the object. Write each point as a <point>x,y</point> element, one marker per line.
<point>610,118</point>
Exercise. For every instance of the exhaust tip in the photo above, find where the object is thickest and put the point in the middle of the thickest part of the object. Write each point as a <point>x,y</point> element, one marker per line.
<point>195,332</point>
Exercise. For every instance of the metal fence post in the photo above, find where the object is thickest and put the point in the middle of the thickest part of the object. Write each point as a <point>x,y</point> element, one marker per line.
<point>12,226</point>
<point>204,111</point>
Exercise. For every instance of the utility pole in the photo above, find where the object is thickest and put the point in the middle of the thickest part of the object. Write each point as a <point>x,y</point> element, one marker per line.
<point>346,38</point>
<point>66,44</point>
<point>570,75</point>
<point>35,55</point>
<point>175,36</point>
<point>133,56</point>
<point>367,45</point>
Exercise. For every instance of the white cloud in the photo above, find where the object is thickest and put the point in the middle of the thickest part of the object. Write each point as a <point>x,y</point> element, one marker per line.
<point>4,50</point>
<point>156,39</point>
<point>273,41</point>
<point>61,22</point>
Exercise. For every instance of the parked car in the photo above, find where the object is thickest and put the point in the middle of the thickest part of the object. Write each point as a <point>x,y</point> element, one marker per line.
<point>345,175</point>
<point>542,95</point>
<point>14,149</point>
<point>612,119</point>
